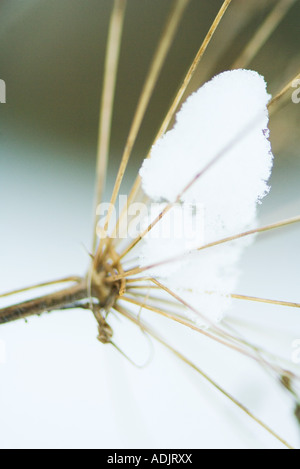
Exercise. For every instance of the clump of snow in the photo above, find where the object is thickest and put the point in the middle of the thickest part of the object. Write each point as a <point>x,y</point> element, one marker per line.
<point>228,113</point>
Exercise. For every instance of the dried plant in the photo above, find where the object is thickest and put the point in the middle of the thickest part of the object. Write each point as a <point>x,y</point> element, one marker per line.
<point>120,281</point>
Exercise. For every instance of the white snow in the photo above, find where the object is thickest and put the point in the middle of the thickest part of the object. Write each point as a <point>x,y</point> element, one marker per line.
<point>228,118</point>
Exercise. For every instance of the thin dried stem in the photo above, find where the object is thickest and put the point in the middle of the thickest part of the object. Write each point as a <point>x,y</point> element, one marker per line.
<point>264,32</point>
<point>281,366</point>
<point>191,326</point>
<point>214,327</point>
<point>257,357</point>
<point>149,228</point>
<point>258,328</point>
<point>154,299</point>
<point>136,186</point>
<point>282,94</point>
<point>138,270</point>
<point>107,101</point>
<point>41,285</point>
<point>151,332</point>
<point>229,321</point>
<point>263,300</point>
<point>279,371</point>
<point>152,77</point>
<point>192,70</point>
<point>223,152</point>
<point>139,279</point>
<point>229,396</point>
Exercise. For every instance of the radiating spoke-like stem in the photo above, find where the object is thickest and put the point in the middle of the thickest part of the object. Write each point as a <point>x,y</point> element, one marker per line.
<point>152,77</point>
<point>215,328</point>
<point>138,270</point>
<point>151,332</point>
<point>221,154</point>
<point>177,100</point>
<point>250,326</point>
<point>235,345</point>
<point>107,102</point>
<point>263,300</point>
<point>139,279</point>
<point>149,228</point>
<point>264,32</point>
<point>195,328</point>
<point>231,341</point>
<point>192,70</point>
<point>41,285</point>
<point>143,287</point>
<point>283,93</point>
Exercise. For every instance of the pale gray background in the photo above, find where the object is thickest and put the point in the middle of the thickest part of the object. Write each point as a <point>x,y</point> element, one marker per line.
<point>60,387</point>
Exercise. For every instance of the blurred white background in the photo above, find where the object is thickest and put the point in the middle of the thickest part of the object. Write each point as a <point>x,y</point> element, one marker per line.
<point>59,387</point>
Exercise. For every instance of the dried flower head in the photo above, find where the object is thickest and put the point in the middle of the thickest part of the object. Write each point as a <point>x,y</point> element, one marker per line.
<point>198,191</point>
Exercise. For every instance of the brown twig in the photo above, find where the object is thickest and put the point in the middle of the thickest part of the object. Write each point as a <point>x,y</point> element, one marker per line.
<point>44,304</point>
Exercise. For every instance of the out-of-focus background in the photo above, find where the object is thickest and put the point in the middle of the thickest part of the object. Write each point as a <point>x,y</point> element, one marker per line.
<point>58,386</point>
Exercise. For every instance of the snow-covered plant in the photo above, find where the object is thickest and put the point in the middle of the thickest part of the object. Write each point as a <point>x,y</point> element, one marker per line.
<point>201,185</point>
<point>217,155</point>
